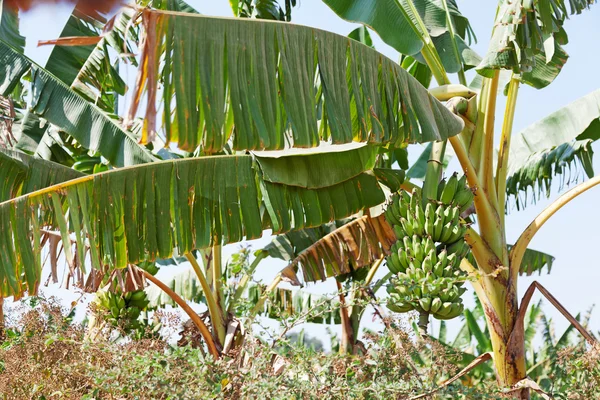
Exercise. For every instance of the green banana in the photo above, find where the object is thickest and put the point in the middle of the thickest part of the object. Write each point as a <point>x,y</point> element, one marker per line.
<point>446,233</point>
<point>399,307</point>
<point>425,303</point>
<point>449,190</point>
<point>436,304</point>
<point>429,218</point>
<point>441,187</point>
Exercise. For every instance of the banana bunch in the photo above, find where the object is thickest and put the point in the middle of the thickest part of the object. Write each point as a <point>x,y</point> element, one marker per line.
<point>121,309</point>
<point>430,247</point>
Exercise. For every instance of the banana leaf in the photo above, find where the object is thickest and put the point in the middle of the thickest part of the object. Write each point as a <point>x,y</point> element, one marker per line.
<point>141,213</point>
<point>528,35</point>
<point>71,113</point>
<point>394,21</point>
<point>552,147</point>
<point>9,27</point>
<point>21,174</point>
<point>265,85</point>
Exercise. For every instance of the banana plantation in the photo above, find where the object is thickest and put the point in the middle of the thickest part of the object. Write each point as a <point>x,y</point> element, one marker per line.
<point>218,192</point>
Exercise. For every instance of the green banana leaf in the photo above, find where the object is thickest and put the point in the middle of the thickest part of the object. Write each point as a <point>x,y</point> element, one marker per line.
<point>483,341</point>
<point>551,147</point>
<point>140,213</point>
<point>185,284</point>
<point>62,107</point>
<point>268,71</point>
<point>395,23</point>
<point>21,174</point>
<point>289,245</point>
<point>305,169</point>
<point>9,27</point>
<point>362,35</point>
<point>528,35</point>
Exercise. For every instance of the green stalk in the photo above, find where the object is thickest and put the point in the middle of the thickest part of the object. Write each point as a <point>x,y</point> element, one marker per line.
<point>507,126</point>
<point>217,276</point>
<point>239,291</point>
<point>433,175</point>
<point>429,52</point>
<point>432,58</point>
<point>461,72</point>
<point>216,314</point>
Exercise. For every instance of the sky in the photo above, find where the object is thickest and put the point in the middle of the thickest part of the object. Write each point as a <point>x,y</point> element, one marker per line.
<point>571,235</point>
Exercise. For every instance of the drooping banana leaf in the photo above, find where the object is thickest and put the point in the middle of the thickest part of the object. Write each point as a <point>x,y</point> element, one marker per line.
<point>9,27</point>
<point>289,245</point>
<point>394,20</point>
<point>263,9</point>
<point>352,246</point>
<point>71,113</point>
<point>528,34</point>
<point>21,174</point>
<point>267,84</point>
<point>552,147</point>
<point>143,212</point>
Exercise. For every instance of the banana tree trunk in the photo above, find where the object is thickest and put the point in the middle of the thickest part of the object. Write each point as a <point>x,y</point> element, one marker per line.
<point>501,314</point>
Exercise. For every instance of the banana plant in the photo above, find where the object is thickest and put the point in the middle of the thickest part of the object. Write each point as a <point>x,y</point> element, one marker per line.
<point>527,41</point>
<point>233,96</point>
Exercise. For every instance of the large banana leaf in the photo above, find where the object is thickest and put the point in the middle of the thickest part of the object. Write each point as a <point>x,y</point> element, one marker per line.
<point>527,35</point>
<point>552,146</point>
<point>394,21</point>
<point>21,174</point>
<point>62,107</point>
<point>267,84</point>
<point>88,69</point>
<point>9,27</point>
<point>140,213</point>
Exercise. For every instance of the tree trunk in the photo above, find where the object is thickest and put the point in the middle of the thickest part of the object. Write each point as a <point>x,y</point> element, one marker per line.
<point>509,355</point>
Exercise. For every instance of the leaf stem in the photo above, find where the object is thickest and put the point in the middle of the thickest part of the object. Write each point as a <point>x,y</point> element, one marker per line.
<point>461,72</point>
<point>507,126</point>
<point>518,250</point>
<point>212,348</point>
<point>347,345</point>
<point>433,174</point>
<point>217,276</point>
<point>216,314</point>
<point>429,52</point>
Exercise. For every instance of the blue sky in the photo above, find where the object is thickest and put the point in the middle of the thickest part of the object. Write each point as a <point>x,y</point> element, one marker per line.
<point>571,236</point>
